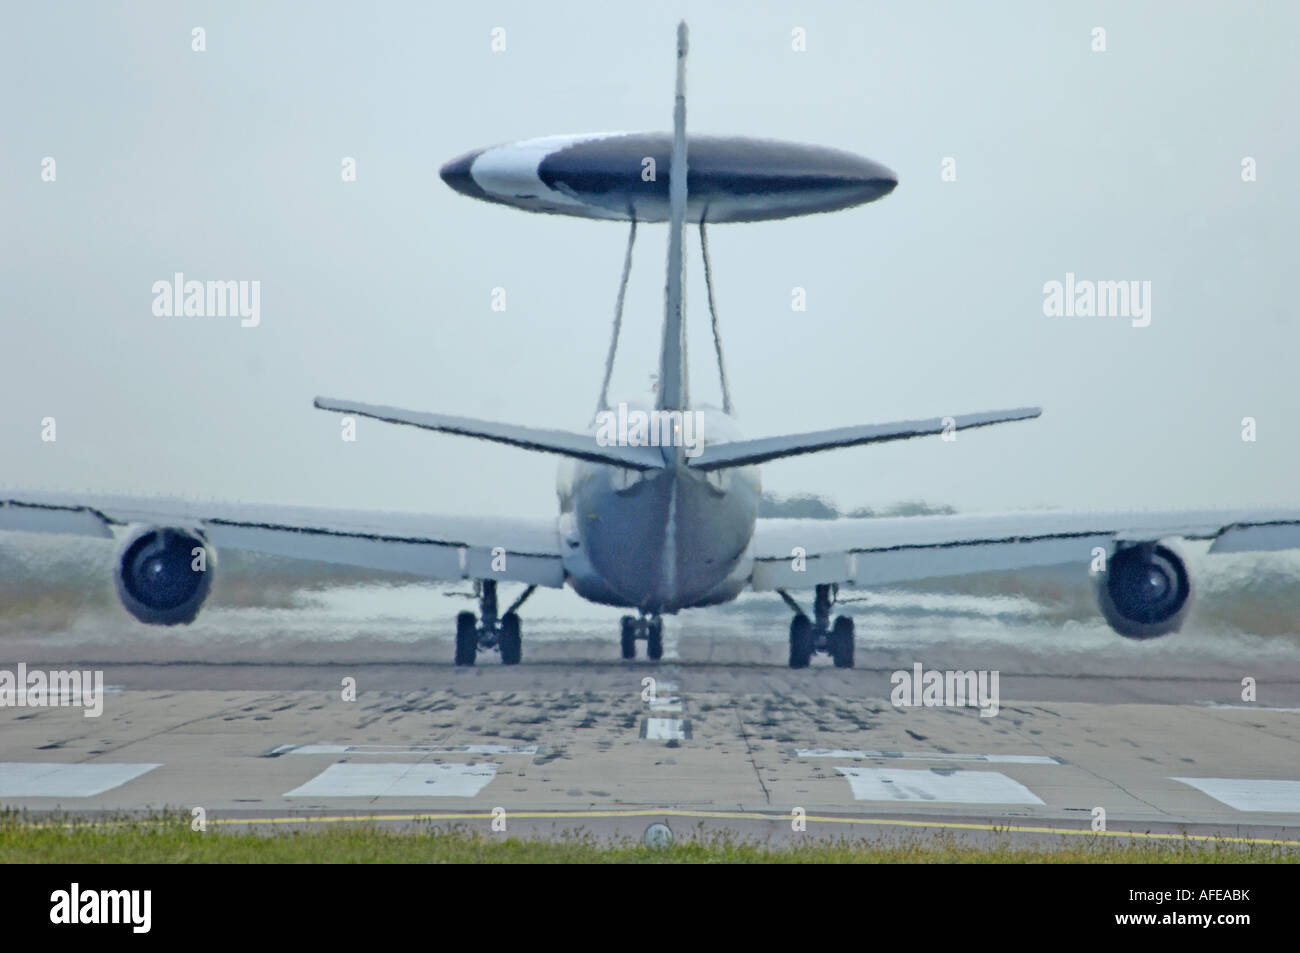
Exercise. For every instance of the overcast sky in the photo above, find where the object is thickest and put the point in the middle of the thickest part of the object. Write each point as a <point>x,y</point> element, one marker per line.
<point>1117,165</point>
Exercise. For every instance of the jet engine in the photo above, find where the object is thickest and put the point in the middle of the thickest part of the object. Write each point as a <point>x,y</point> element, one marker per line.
<point>1145,591</point>
<point>163,574</point>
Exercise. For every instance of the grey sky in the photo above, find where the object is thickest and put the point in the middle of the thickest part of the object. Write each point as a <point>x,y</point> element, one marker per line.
<point>226,165</point>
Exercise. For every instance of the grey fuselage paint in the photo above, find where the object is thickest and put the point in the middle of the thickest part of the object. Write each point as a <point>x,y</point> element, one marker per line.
<point>659,540</point>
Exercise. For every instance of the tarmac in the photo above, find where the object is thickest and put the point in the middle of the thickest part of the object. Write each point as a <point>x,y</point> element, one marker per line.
<point>724,740</point>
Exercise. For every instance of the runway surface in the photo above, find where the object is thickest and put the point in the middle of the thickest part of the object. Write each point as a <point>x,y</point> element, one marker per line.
<point>742,746</point>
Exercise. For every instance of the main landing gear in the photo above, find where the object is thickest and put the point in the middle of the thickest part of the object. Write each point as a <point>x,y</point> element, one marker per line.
<point>487,631</point>
<point>818,634</point>
<point>650,628</point>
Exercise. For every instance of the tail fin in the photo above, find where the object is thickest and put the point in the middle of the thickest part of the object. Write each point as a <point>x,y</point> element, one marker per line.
<point>673,393</point>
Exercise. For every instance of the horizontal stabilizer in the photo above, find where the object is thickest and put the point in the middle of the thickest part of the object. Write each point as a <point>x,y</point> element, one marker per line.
<point>745,452</point>
<point>562,442</point>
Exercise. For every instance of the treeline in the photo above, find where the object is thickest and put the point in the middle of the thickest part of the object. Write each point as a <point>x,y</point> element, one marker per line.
<point>809,507</point>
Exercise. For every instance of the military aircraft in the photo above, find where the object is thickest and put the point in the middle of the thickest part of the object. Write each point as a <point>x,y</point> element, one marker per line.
<point>658,507</point>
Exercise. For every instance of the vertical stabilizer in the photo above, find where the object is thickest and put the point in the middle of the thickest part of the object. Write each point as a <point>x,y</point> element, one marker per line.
<point>672,356</point>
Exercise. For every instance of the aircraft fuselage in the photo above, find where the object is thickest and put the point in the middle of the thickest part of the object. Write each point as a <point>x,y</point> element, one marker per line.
<point>659,540</point>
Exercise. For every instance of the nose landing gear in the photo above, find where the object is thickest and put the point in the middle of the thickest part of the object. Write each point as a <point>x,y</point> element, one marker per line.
<point>487,631</point>
<point>818,634</point>
<point>650,628</point>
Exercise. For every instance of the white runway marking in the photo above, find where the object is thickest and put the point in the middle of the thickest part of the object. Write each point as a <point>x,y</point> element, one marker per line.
<point>948,787</point>
<point>665,729</point>
<point>1245,707</point>
<point>30,779</point>
<point>924,756</point>
<point>398,780</point>
<point>666,703</point>
<point>402,749</point>
<point>1247,794</point>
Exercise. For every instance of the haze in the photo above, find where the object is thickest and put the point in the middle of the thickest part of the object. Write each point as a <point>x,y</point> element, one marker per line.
<point>225,165</point>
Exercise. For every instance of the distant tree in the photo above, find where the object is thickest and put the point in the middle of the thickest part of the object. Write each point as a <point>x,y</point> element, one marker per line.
<point>918,508</point>
<point>804,506</point>
<point>809,507</point>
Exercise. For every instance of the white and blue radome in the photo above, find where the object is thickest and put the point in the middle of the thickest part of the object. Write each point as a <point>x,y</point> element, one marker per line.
<point>625,175</point>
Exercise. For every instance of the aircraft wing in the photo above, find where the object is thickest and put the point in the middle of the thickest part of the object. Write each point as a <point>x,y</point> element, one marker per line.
<point>430,546</point>
<point>877,551</point>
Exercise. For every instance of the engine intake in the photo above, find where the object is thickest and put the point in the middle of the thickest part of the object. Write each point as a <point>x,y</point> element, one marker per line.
<point>163,574</point>
<point>1145,591</point>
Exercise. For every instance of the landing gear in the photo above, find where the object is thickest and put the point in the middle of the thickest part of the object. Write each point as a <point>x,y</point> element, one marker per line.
<point>651,628</point>
<point>809,636</point>
<point>487,631</point>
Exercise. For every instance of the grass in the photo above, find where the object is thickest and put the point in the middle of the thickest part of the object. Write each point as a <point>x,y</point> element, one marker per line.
<point>168,839</point>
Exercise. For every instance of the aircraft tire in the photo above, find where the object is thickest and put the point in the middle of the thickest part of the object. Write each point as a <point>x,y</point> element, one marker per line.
<point>801,641</point>
<point>842,642</point>
<point>627,636</point>
<point>654,648</point>
<point>466,639</point>
<point>512,644</point>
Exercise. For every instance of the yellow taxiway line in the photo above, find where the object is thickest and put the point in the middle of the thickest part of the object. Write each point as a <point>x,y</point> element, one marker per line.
<point>698,815</point>
<point>754,816</point>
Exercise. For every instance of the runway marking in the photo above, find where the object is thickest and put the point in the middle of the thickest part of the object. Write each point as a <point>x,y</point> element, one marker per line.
<point>1247,794</point>
<point>924,756</point>
<point>937,785</point>
<point>665,701</point>
<point>1245,707</point>
<point>401,749</point>
<point>665,729</point>
<point>35,779</point>
<point>398,780</point>
<point>740,816</point>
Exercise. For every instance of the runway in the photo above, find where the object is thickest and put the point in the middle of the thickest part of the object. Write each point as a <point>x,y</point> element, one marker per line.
<point>746,747</point>
<point>243,713</point>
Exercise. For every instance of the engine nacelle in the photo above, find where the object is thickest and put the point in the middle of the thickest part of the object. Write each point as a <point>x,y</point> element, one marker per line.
<point>163,574</point>
<point>1145,591</point>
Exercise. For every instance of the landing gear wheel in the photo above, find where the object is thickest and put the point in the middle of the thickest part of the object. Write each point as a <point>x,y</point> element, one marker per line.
<point>466,638</point>
<point>512,647</point>
<point>654,647</point>
<point>841,642</point>
<point>801,641</point>
<point>627,636</point>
